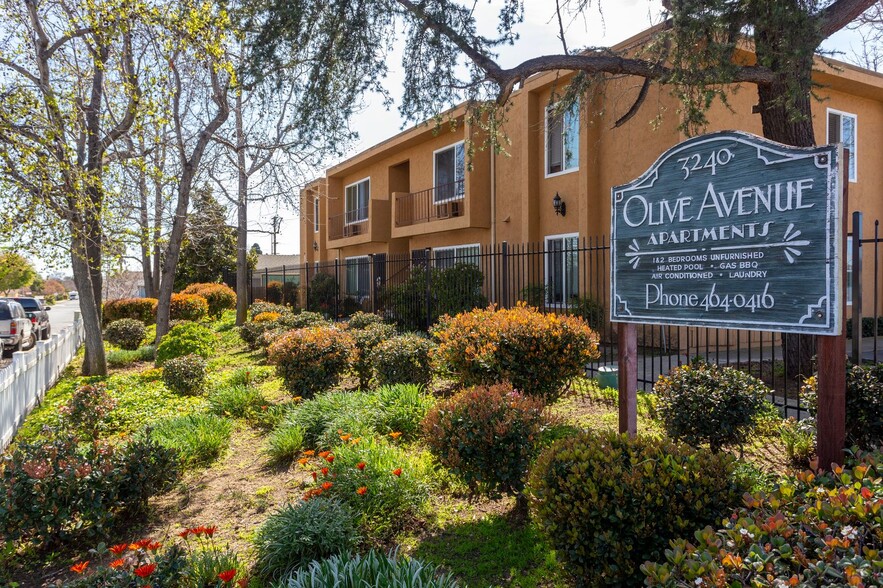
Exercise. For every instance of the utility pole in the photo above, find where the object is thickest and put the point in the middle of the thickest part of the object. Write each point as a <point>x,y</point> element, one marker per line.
<point>277,225</point>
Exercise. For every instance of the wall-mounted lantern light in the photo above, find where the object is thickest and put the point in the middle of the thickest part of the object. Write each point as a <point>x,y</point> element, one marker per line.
<point>559,205</point>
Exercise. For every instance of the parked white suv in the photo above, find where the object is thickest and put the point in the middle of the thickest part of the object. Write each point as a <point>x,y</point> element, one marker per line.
<point>16,330</point>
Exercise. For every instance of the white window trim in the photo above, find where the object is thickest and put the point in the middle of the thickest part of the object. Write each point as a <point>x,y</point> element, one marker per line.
<point>454,247</point>
<point>316,213</point>
<point>566,303</point>
<point>435,175</point>
<point>854,117</point>
<point>360,259</point>
<point>348,186</point>
<point>563,172</point>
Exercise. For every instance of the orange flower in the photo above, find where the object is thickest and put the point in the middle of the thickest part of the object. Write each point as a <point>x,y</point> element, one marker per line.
<point>356,440</point>
<point>303,461</point>
<point>117,563</point>
<point>142,543</point>
<point>184,534</point>
<point>227,575</point>
<point>154,546</point>
<point>145,570</point>
<point>324,471</point>
<point>362,490</point>
<point>134,547</point>
<point>242,583</point>
<point>395,434</point>
<point>297,398</point>
<point>361,465</point>
<point>327,485</point>
<point>345,437</point>
<point>397,472</point>
<point>310,452</point>
<point>315,476</point>
<point>118,549</point>
<point>80,567</point>
<point>324,454</point>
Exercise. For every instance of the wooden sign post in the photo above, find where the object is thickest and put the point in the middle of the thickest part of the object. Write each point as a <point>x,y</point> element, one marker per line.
<point>731,231</point>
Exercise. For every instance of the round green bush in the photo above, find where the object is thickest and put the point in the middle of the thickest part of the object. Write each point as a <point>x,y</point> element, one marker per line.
<point>403,360</point>
<point>302,320</point>
<point>705,403</point>
<point>274,292</point>
<point>371,569</point>
<point>125,333</point>
<point>311,360</point>
<point>219,297</point>
<point>297,534</point>
<point>607,503</point>
<point>185,339</point>
<point>262,307</point>
<point>142,309</point>
<point>360,320</point>
<point>486,436</point>
<point>252,331</point>
<point>185,374</point>
<point>366,340</point>
<point>864,404</point>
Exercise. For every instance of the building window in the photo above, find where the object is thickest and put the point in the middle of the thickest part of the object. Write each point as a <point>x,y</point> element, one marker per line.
<point>450,173</point>
<point>357,276</point>
<point>446,257</point>
<point>357,196</point>
<point>842,128</point>
<point>562,269</point>
<point>316,214</point>
<point>562,140</point>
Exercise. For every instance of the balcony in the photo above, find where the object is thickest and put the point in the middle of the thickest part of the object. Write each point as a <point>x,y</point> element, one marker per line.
<point>348,224</point>
<point>440,202</point>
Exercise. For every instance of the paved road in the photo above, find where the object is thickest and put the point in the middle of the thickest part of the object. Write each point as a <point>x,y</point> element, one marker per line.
<point>60,317</point>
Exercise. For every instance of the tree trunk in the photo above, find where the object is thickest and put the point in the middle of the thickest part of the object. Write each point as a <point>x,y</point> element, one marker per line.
<point>242,219</point>
<point>172,253</point>
<point>145,236</point>
<point>94,362</point>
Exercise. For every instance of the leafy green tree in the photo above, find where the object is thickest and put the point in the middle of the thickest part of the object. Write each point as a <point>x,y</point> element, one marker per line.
<point>15,271</point>
<point>209,246</point>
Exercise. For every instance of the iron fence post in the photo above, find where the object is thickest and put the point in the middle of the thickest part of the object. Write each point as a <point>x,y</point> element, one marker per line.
<point>504,274</point>
<point>428,268</point>
<point>856,287</point>
<point>337,290</point>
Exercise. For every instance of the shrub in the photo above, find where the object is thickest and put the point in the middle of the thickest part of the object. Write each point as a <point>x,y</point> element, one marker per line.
<point>538,353</point>
<point>252,332</point>
<point>321,417</point>
<point>395,482</point>
<point>590,310</point>
<point>810,531</point>
<point>322,293</point>
<point>185,374</point>
<point>87,409</point>
<point>267,317</point>
<point>311,360</point>
<point>123,358</point>
<point>799,439</point>
<point>868,325</point>
<point>274,292</point>
<point>297,534</point>
<point>198,438</point>
<point>366,341</point>
<point>403,360</point>
<point>187,307</point>
<point>608,503</point>
<point>486,436</point>
<point>170,568</point>
<point>237,401</point>
<point>185,339</point>
<point>705,403</point>
<point>371,569</point>
<point>125,333</point>
<point>361,320</point>
<point>261,307</point>
<point>304,319</point>
<point>284,443</point>
<point>219,297</point>
<point>864,404</point>
<point>400,407</point>
<point>55,489</point>
<point>139,309</point>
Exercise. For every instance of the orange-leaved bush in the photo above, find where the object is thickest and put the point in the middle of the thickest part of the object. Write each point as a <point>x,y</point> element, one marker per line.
<point>487,436</point>
<point>187,307</point>
<point>219,297</point>
<point>311,360</point>
<point>141,309</point>
<point>538,353</point>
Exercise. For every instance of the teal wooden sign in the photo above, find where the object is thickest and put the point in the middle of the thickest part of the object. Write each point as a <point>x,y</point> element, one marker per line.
<point>731,230</point>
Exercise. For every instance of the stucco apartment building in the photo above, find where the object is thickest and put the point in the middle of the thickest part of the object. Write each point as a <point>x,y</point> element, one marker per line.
<point>416,190</point>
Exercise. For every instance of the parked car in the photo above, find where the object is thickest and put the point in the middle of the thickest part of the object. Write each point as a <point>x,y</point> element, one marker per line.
<point>73,295</point>
<point>15,327</point>
<point>37,312</point>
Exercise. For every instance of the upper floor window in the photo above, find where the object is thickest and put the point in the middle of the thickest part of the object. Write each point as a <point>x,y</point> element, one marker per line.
<point>446,257</point>
<point>316,214</point>
<point>562,140</point>
<point>842,128</point>
<point>357,196</point>
<point>450,173</point>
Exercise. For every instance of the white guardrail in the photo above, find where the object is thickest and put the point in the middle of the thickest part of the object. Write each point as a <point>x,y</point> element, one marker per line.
<point>24,382</point>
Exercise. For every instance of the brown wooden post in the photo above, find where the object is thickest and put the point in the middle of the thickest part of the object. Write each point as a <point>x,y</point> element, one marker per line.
<point>831,416</point>
<point>628,378</point>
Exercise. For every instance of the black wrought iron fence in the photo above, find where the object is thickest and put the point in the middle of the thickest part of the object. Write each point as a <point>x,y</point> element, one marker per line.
<point>570,275</point>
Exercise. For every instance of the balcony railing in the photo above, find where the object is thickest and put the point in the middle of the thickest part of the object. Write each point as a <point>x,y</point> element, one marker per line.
<point>445,201</point>
<point>348,224</point>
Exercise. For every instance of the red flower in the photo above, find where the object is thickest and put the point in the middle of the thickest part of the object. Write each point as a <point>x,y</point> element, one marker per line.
<point>184,534</point>
<point>397,472</point>
<point>324,454</point>
<point>330,459</point>
<point>228,575</point>
<point>315,476</point>
<point>361,465</point>
<point>80,567</point>
<point>324,471</point>
<point>142,543</point>
<point>327,485</point>
<point>117,563</point>
<point>362,490</point>
<point>154,546</point>
<point>242,583</point>
<point>118,549</point>
<point>210,531</point>
<point>145,570</point>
